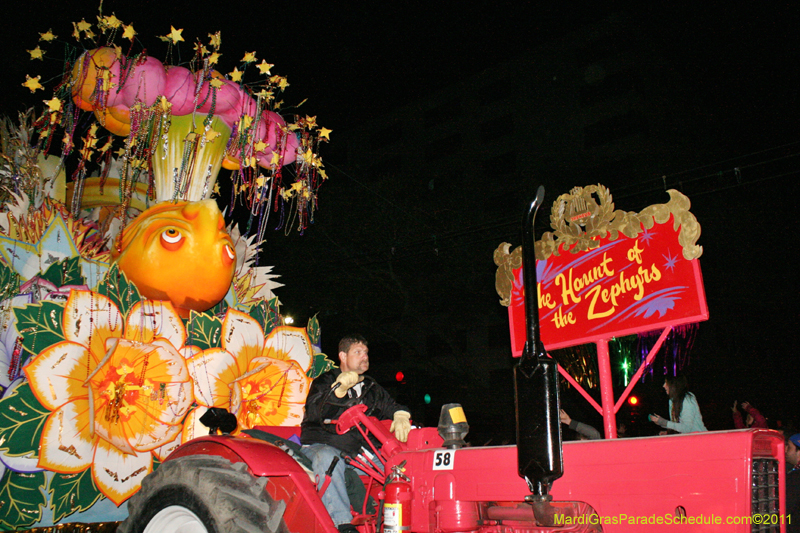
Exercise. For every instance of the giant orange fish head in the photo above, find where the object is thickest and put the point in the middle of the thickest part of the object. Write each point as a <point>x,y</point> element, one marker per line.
<point>178,251</point>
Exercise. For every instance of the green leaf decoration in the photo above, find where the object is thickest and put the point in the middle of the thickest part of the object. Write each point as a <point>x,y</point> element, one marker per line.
<point>119,290</point>
<point>319,365</point>
<point>313,330</point>
<point>40,325</point>
<point>203,330</point>
<point>9,282</point>
<point>21,500</point>
<point>267,315</point>
<point>66,272</point>
<point>22,419</point>
<point>219,310</point>
<point>71,493</point>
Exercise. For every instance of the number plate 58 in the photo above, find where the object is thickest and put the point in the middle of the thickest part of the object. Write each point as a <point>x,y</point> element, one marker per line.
<point>443,459</point>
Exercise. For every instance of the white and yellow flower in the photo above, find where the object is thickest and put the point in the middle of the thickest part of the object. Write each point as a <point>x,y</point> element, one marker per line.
<point>118,388</point>
<point>261,380</point>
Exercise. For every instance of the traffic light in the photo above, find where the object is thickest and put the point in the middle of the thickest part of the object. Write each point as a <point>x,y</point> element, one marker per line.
<point>633,400</point>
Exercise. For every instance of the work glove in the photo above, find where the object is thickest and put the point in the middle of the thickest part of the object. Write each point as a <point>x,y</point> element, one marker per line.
<point>401,425</point>
<point>345,380</point>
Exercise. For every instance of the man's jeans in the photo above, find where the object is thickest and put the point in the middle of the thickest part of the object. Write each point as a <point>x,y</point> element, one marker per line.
<point>335,499</point>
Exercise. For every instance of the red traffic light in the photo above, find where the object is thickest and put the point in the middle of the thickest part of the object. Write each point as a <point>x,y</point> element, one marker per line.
<point>633,400</point>
<point>399,376</point>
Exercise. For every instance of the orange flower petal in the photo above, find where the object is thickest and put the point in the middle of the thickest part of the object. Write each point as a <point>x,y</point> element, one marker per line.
<point>66,445</point>
<point>119,475</point>
<point>149,319</point>
<point>90,319</point>
<point>242,336</point>
<point>286,342</point>
<point>57,374</point>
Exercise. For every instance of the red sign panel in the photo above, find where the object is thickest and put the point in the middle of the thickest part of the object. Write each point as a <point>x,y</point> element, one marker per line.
<point>624,286</point>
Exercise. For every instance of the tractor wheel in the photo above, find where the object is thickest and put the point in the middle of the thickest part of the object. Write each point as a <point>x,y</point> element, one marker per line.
<point>203,494</point>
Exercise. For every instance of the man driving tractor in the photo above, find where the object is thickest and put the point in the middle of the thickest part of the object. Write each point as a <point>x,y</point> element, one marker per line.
<point>329,396</point>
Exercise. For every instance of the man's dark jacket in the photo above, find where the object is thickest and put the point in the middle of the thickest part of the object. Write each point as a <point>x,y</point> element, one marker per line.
<point>379,404</point>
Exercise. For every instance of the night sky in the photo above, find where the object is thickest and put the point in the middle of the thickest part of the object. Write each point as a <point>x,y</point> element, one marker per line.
<point>738,62</point>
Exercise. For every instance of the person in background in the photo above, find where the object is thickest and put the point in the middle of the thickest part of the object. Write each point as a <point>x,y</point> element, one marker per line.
<point>754,418</point>
<point>585,431</point>
<point>684,411</point>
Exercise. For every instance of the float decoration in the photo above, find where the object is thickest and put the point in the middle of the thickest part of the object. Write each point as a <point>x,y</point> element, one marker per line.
<point>103,375</point>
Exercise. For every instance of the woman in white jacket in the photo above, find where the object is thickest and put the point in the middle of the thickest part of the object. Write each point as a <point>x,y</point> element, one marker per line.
<point>684,411</point>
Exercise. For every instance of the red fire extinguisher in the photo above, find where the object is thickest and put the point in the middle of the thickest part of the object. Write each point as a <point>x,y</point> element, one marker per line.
<point>397,501</point>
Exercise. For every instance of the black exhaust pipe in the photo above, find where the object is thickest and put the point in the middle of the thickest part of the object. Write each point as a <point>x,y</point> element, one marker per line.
<point>539,457</point>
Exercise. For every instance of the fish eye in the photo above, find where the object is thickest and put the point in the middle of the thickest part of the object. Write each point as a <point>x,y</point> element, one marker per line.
<point>171,239</point>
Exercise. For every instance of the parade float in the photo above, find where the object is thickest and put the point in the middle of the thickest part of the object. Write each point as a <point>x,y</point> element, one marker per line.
<point>129,305</point>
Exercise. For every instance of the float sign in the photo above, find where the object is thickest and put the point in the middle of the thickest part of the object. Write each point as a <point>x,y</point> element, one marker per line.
<point>618,286</point>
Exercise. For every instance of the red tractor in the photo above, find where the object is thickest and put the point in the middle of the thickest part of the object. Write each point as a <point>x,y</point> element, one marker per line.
<point>729,481</point>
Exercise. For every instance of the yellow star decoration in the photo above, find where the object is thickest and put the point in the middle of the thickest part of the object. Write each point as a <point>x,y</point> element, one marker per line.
<point>261,180</point>
<point>48,36</point>
<point>128,32</point>
<point>120,152</point>
<point>174,35</point>
<point>260,146</point>
<point>324,133</point>
<point>166,105</point>
<point>216,83</point>
<point>246,121</point>
<point>236,75</point>
<point>110,22</point>
<point>89,34</point>
<point>215,40</point>
<point>265,95</point>
<point>308,157</point>
<point>264,67</point>
<point>249,57</point>
<point>211,135</point>
<point>33,83</point>
<point>213,58</point>
<point>83,26</point>
<point>323,174</point>
<point>106,146</point>
<point>53,105</point>
<point>37,53</point>
<point>311,122</point>
<point>200,48</point>
<point>276,159</point>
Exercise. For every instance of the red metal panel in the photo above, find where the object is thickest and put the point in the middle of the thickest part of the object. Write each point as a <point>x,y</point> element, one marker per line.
<point>705,473</point>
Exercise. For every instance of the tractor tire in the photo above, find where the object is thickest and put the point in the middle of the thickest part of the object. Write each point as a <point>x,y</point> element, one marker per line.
<point>203,494</point>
